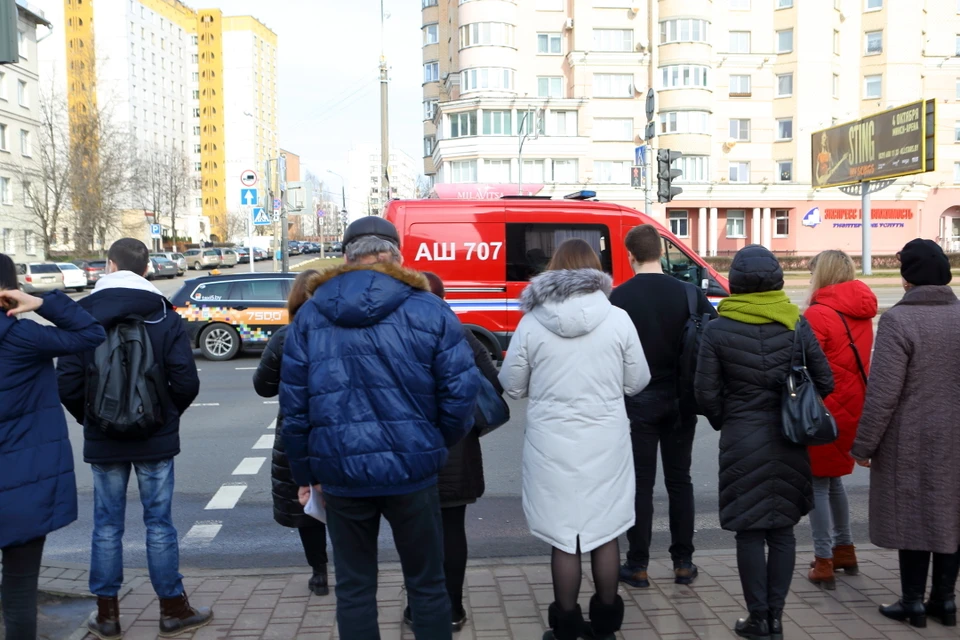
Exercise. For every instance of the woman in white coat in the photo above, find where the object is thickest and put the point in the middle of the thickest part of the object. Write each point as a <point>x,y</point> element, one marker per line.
<point>575,355</point>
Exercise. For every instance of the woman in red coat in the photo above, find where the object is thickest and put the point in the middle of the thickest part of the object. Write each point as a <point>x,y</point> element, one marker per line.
<point>841,313</point>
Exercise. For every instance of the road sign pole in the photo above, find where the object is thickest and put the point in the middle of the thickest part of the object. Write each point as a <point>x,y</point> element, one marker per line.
<point>647,179</point>
<point>866,257</point>
<point>250,254</point>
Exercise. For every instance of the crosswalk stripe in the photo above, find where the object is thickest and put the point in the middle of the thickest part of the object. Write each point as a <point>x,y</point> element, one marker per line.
<point>249,467</point>
<point>265,442</point>
<point>226,496</point>
<point>201,533</point>
<point>273,425</point>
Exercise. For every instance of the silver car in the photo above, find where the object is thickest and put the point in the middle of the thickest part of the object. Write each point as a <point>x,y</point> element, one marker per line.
<point>40,277</point>
<point>228,258</point>
<point>176,258</point>
<point>202,259</point>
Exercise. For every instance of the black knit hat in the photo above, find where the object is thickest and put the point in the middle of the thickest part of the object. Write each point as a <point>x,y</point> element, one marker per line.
<point>754,269</point>
<point>923,262</point>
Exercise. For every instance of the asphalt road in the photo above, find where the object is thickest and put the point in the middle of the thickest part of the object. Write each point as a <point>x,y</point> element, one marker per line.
<point>223,508</point>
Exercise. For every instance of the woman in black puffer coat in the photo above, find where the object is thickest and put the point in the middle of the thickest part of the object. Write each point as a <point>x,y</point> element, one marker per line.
<point>286,503</point>
<point>766,484</point>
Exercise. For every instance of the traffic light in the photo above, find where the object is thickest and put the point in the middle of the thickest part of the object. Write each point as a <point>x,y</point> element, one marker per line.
<point>666,175</point>
<point>636,177</point>
<point>9,53</point>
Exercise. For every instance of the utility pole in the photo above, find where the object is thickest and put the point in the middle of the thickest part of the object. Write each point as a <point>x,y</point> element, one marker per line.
<point>384,123</point>
<point>284,227</point>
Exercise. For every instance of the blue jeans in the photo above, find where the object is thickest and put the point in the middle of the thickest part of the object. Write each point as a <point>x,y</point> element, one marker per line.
<point>155,480</point>
<point>354,524</point>
<point>830,507</point>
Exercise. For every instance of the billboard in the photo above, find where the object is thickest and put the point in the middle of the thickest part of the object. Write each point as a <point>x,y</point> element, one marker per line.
<point>890,144</point>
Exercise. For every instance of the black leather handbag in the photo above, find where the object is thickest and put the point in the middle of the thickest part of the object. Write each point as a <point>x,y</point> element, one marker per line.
<point>805,418</point>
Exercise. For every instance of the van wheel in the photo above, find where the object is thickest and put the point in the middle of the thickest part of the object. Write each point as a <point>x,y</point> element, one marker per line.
<point>197,266</point>
<point>219,342</point>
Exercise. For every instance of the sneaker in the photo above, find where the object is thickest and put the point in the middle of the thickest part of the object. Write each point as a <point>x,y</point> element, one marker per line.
<point>685,573</point>
<point>634,575</point>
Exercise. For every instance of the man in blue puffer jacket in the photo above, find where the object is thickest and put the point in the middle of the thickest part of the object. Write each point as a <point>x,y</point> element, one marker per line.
<point>377,382</point>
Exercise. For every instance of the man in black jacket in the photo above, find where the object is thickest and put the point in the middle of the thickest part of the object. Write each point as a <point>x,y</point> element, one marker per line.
<point>120,294</point>
<point>657,304</point>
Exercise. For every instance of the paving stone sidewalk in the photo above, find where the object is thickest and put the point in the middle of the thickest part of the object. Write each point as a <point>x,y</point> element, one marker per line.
<point>508,600</point>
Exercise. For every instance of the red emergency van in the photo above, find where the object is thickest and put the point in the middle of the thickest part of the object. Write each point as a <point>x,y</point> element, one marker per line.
<point>486,251</point>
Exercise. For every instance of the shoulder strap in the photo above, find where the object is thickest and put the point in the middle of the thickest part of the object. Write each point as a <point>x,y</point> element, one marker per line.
<point>693,304</point>
<point>853,345</point>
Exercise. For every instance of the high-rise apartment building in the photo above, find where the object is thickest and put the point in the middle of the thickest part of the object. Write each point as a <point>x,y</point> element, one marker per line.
<point>363,175</point>
<point>19,118</point>
<point>741,85</point>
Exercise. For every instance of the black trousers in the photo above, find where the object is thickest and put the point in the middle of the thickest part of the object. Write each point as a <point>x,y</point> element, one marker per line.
<point>455,553</point>
<point>674,437</point>
<point>765,560</point>
<point>18,589</point>
<point>314,541</point>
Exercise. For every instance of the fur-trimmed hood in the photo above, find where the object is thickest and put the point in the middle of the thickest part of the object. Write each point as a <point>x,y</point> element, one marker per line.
<point>569,302</point>
<point>363,295</point>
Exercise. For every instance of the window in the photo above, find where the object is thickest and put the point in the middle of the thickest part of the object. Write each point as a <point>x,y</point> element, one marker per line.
<point>785,171</point>
<point>22,93</point>
<point>956,173</point>
<point>736,223</point>
<point>739,42</point>
<point>497,34</point>
<point>30,248</point>
<point>258,290</point>
<point>956,45</point>
<point>431,34</point>
<point>495,78</point>
<point>785,41</point>
<point>740,86</point>
<point>562,123</point>
<point>549,43</point>
<point>527,120</point>
<point>785,129</point>
<point>740,129</point>
<point>873,42</point>
<point>683,30</point>
<point>531,246</point>
<point>197,166</point>
<point>9,241</point>
<point>683,75</point>
<point>497,171</point>
<point>872,86</point>
<point>612,85</point>
<point>3,137</point>
<point>497,123</point>
<point>694,169</point>
<point>429,109</point>
<point>956,131</point>
<point>22,44</point>
<point>463,171</point>
<point>6,195</point>
<point>740,5</point>
<point>619,129</point>
<point>684,122</point>
<point>739,172</point>
<point>613,40</point>
<point>873,5</point>
<point>784,85</point>
<point>431,72</point>
<point>611,172</point>
<point>781,223</point>
<point>565,172</point>
<point>552,87</point>
<point>836,42</point>
<point>549,5</point>
<point>3,86</point>
<point>463,124</point>
<point>429,3</point>
<point>784,4</point>
<point>26,147</point>
<point>679,223</point>
<point>957,90</point>
<point>533,171</point>
<point>836,85</point>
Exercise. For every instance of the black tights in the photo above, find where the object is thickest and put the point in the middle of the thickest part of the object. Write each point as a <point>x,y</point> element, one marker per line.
<point>18,589</point>
<point>314,541</point>
<point>455,552</point>
<point>566,570</point>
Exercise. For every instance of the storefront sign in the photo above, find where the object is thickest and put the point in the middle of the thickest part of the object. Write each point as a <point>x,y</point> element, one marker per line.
<point>853,218</point>
<point>875,214</point>
<point>483,191</point>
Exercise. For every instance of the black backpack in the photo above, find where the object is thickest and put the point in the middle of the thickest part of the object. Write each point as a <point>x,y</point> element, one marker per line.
<point>689,350</point>
<point>126,387</point>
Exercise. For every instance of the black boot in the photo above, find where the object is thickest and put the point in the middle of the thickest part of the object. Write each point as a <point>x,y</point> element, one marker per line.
<point>177,616</point>
<point>318,583</point>
<point>913,582</point>
<point>942,605</point>
<point>565,625</point>
<point>606,619</point>
<point>105,621</point>
<point>754,627</point>
<point>776,624</point>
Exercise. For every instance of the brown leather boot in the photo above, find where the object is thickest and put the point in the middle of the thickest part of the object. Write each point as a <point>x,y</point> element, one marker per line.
<point>845,557</point>
<point>105,621</point>
<point>822,574</point>
<point>177,616</point>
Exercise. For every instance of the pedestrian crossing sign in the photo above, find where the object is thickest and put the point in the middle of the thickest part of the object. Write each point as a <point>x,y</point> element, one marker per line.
<point>261,217</point>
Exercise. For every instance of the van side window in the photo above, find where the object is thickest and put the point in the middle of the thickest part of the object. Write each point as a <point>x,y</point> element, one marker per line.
<point>531,246</point>
<point>678,264</point>
<point>211,292</point>
<point>258,291</point>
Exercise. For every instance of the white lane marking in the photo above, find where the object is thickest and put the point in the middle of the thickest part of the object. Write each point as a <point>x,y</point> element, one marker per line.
<point>273,425</point>
<point>205,404</point>
<point>245,368</point>
<point>265,442</point>
<point>200,534</point>
<point>271,402</point>
<point>226,496</point>
<point>249,467</point>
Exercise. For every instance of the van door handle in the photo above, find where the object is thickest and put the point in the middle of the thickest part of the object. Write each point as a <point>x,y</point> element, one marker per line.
<point>240,308</point>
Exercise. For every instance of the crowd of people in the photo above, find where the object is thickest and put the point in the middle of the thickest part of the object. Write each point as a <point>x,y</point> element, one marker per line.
<point>378,385</point>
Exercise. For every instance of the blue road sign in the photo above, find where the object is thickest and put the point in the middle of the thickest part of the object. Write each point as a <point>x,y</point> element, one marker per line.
<point>156,231</point>
<point>276,204</point>
<point>261,217</point>
<point>248,196</point>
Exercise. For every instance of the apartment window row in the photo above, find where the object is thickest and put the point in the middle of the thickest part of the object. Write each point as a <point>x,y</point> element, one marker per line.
<point>683,30</point>
<point>683,75</point>
<point>684,122</point>
<point>740,129</point>
<point>613,85</point>
<point>500,123</point>
<point>489,78</point>
<point>6,195</point>
<point>26,141</point>
<point>489,34</point>
<point>500,171</point>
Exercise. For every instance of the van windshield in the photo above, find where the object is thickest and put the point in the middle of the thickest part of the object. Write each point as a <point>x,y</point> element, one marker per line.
<point>44,268</point>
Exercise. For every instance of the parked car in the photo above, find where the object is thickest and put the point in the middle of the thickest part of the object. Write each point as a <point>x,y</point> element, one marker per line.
<point>163,268</point>
<point>40,277</point>
<point>260,254</point>
<point>202,258</point>
<point>227,312</point>
<point>228,258</point>
<point>73,276</point>
<point>293,248</point>
<point>176,258</point>
<point>337,247</point>
<point>243,255</point>
<point>92,269</point>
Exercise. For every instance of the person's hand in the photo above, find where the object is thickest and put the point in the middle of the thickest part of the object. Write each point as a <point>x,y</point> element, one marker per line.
<point>304,496</point>
<point>25,303</point>
<point>864,463</point>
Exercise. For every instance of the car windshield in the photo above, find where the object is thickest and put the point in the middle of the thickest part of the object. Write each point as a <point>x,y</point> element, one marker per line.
<point>44,268</point>
<point>68,266</point>
<point>100,264</point>
<point>162,260</point>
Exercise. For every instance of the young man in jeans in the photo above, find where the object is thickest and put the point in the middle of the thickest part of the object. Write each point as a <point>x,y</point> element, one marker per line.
<point>377,382</point>
<point>121,293</point>
<point>657,304</point>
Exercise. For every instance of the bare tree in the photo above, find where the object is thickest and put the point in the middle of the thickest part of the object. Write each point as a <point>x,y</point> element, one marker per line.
<point>423,186</point>
<point>178,187</point>
<point>150,180</point>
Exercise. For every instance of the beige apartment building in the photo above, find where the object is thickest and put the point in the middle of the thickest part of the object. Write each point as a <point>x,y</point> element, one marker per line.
<point>741,85</point>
